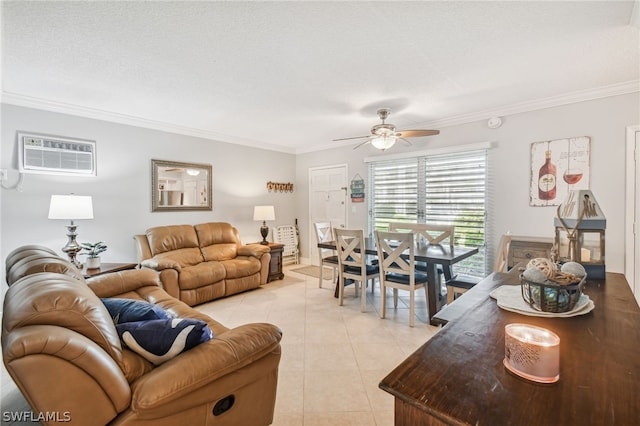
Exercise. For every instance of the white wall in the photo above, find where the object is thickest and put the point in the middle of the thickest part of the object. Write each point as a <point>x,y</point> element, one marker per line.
<point>603,120</point>
<point>122,190</point>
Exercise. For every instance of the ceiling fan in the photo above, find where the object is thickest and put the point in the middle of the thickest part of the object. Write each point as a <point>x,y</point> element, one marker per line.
<point>384,135</point>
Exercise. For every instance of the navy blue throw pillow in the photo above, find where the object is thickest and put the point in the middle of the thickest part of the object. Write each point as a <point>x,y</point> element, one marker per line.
<point>160,340</point>
<point>128,310</point>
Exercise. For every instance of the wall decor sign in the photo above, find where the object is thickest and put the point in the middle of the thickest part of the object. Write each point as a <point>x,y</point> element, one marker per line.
<point>558,166</point>
<point>279,187</point>
<point>357,189</point>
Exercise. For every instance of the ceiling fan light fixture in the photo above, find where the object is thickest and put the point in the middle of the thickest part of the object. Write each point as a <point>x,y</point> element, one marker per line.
<point>383,142</point>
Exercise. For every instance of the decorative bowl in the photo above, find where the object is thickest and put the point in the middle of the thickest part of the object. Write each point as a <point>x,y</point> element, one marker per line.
<point>550,296</point>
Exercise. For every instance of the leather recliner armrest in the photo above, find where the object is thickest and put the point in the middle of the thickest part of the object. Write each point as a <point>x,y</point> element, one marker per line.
<point>255,250</point>
<point>115,283</point>
<point>161,264</point>
<point>95,388</point>
<point>204,364</point>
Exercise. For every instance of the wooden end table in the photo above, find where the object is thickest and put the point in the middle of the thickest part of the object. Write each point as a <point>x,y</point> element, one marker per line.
<point>275,266</point>
<point>106,268</point>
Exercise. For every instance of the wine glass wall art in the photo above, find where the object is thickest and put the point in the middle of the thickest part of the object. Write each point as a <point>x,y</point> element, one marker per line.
<point>556,167</point>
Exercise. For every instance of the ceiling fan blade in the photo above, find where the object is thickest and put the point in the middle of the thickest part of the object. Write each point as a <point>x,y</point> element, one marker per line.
<point>361,143</point>
<point>416,133</point>
<point>407,141</point>
<point>346,139</point>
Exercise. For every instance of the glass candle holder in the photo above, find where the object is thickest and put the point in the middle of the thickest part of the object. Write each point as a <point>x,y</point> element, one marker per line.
<point>532,353</point>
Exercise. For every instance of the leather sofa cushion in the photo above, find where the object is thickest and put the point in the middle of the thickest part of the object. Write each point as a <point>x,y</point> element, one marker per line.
<point>49,298</point>
<point>241,266</point>
<point>218,240</point>
<point>27,251</point>
<point>220,251</point>
<point>204,273</point>
<point>42,263</point>
<point>183,257</point>
<point>168,238</point>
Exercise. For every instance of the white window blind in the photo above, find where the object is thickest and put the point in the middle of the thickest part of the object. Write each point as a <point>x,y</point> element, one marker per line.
<point>448,189</point>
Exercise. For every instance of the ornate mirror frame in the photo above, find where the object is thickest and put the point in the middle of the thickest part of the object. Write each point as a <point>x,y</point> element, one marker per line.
<point>179,186</point>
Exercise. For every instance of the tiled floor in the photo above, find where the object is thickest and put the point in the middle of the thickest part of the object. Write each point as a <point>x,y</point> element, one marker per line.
<point>333,357</point>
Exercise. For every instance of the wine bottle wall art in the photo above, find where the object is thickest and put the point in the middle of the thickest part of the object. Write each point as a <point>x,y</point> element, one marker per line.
<point>556,167</point>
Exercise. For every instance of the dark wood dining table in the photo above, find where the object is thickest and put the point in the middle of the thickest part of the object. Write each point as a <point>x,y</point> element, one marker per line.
<point>458,376</point>
<point>433,256</point>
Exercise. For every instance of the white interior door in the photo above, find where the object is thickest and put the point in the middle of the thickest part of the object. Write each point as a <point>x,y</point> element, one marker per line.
<point>632,214</point>
<point>327,201</point>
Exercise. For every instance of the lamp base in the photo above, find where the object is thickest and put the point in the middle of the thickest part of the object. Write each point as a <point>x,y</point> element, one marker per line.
<point>72,248</point>
<point>264,231</point>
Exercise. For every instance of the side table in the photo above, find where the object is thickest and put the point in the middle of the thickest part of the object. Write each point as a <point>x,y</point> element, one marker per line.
<point>105,268</point>
<point>275,266</point>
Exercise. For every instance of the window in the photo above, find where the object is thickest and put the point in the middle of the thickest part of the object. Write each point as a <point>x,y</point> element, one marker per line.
<point>447,189</point>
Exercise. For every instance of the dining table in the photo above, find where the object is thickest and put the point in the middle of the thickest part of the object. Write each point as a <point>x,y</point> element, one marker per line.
<point>432,255</point>
<point>459,376</point>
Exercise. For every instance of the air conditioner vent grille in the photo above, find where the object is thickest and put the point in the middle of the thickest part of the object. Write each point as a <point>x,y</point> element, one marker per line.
<point>56,155</point>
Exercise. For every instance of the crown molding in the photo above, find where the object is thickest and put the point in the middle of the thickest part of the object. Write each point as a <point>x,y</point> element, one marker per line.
<point>536,104</point>
<point>518,108</point>
<point>98,114</point>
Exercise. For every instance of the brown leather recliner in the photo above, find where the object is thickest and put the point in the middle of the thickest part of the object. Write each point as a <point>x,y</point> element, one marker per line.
<point>62,349</point>
<point>203,262</point>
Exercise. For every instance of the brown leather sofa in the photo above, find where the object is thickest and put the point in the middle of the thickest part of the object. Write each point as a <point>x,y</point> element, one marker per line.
<point>200,263</point>
<point>61,348</point>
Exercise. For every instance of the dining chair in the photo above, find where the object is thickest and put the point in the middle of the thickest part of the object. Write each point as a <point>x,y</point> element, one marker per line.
<point>352,263</point>
<point>324,234</point>
<point>433,234</point>
<point>396,257</point>
<point>527,248</point>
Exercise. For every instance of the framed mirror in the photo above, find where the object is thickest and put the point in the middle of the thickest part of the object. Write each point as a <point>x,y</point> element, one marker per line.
<point>180,186</point>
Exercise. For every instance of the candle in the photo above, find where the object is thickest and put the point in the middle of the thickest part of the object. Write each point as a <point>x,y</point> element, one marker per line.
<point>585,255</point>
<point>532,352</point>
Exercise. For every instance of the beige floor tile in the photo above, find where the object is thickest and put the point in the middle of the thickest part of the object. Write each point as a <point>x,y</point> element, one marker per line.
<point>289,396</point>
<point>287,419</point>
<point>329,357</point>
<point>292,358</point>
<point>383,418</point>
<point>341,391</point>
<point>379,399</point>
<point>364,418</point>
<point>378,356</point>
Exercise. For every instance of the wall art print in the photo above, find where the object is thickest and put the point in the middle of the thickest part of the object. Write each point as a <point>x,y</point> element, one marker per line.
<point>556,167</point>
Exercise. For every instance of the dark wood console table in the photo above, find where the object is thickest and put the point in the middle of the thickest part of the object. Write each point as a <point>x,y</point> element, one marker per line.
<point>457,377</point>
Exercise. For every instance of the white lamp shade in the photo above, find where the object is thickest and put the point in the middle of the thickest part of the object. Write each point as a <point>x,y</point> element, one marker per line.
<point>71,207</point>
<point>264,213</point>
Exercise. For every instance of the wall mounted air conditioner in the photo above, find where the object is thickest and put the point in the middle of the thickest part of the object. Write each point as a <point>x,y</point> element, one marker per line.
<point>56,155</point>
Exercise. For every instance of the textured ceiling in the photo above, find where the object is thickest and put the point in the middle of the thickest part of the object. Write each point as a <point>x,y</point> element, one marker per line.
<point>292,76</point>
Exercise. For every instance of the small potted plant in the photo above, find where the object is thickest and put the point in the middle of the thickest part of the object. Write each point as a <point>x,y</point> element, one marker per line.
<point>93,250</point>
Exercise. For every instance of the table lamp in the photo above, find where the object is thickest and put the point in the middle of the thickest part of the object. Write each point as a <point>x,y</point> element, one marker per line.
<point>71,207</point>
<point>264,213</point>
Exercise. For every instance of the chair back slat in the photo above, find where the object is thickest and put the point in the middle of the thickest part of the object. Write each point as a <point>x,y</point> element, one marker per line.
<point>434,234</point>
<point>349,244</point>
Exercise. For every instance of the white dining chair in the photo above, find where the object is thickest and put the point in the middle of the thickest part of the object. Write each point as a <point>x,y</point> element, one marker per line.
<point>432,234</point>
<point>396,258</point>
<point>352,263</point>
<point>324,234</point>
